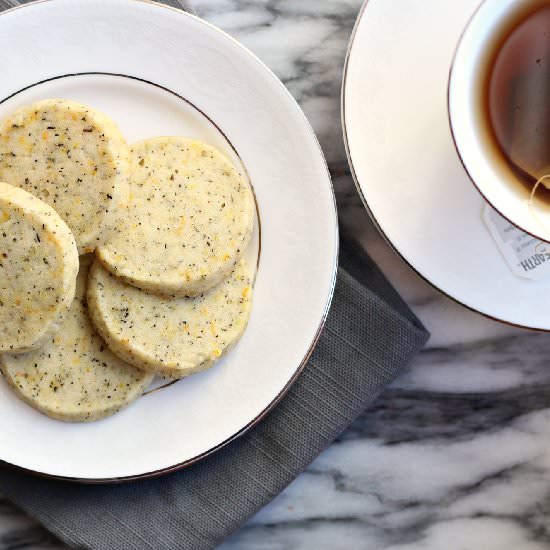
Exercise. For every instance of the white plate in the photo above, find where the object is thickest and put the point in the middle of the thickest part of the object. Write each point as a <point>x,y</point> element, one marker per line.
<point>394,104</point>
<point>159,71</point>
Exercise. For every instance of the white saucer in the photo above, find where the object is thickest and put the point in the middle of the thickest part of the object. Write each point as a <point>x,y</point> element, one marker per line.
<point>159,71</point>
<point>404,161</point>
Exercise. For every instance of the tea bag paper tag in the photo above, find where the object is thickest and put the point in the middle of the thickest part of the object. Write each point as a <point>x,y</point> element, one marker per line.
<point>526,256</point>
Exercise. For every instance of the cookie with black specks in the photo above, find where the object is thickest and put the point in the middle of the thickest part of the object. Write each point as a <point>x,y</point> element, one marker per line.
<point>74,377</point>
<point>72,157</point>
<point>172,337</point>
<point>190,219</point>
<point>38,268</point>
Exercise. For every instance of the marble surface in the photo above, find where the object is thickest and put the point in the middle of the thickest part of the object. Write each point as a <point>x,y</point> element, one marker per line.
<point>456,454</point>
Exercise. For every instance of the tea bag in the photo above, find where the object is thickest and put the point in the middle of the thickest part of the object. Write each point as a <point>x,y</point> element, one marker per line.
<point>530,136</point>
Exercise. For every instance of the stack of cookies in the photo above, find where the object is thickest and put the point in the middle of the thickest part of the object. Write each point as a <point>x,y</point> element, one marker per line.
<point>117,263</point>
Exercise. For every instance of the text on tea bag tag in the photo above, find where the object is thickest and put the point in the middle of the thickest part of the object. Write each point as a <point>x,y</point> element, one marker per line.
<point>527,256</point>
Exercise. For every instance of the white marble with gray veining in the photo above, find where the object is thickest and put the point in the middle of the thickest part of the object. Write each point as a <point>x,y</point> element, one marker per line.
<point>456,454</point>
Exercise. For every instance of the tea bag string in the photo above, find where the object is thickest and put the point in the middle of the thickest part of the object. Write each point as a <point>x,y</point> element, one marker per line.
<point>531,205</point>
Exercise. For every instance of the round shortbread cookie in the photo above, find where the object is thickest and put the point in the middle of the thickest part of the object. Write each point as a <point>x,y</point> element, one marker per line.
<point>190,218</point>
<point>38,267</point>
<point>74,377</point>
<point>172,337</point>
<point>72,157</point>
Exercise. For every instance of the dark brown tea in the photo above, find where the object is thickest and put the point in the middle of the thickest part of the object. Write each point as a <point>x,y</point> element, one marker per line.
<point>518,98</point>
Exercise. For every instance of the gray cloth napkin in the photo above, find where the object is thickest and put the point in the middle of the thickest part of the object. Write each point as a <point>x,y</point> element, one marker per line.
<point>369,338</point>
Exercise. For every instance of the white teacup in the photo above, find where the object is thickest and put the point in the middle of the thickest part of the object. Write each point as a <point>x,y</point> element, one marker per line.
<point>480,156</point>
